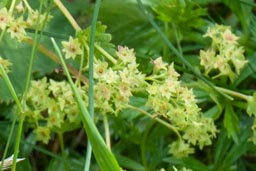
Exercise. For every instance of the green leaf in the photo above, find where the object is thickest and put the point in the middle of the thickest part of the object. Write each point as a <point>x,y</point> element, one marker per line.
<point>129,163</point>
<point>214,112</point>
<point>101,37</point>
<point>237,150</point>
<point>242,11</point>
<point>221,148</point>
<point>185,15</point>
<point>18,54</point>
<point>231,122</point>
<point>188,162</point>
<point>75,163</point>
<point>227,152</point>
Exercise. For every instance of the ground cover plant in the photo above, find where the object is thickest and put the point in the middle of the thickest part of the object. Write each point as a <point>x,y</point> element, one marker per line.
<point>115,85</point>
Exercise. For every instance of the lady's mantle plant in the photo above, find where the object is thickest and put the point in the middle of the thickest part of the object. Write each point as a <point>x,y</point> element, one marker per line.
<point>50,105</point>
<point>225,57</point>
<point>115,83</point>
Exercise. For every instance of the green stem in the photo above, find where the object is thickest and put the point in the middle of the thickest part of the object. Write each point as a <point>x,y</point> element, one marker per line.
<point>8,142</point>
<point>177,39</point>
<point>165,48</point>
<point>233,93</point>
<point>67,15</point>
<point>27,5</point>
<point>107,132</point>
<point>11,89</point>
<point>104,157</point>
<point>18,139</point>
<point>33,52</point>
<point>20,110</point>
<point>91,80</point>
<point>63,153</point>
<point>12,6</point>
<point>106,54</point>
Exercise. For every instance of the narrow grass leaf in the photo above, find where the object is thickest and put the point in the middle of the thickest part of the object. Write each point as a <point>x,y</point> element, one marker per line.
<point>103,155</point>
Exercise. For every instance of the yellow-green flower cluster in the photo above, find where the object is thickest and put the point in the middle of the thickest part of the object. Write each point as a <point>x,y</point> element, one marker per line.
<point>170,99</point>
<point>51,107</point>
<point>71,48</point>
<point>15,21</point>
<point>5,64</point>
<point>115,84</point>
<point>225,57</point>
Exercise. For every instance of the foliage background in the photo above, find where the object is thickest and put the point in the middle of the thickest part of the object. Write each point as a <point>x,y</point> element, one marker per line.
<point>138,142</point>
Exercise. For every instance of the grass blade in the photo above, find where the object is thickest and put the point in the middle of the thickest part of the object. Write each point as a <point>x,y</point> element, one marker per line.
<point>103,155</point>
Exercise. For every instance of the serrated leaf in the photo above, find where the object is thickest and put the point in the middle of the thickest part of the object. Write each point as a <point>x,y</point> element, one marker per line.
<point>222,146</point>
<point>237,150</point>
<point>19,55</point>
<point>214,112</point>
<point>182,14</point>
<point>101,37</point>
<point>231,122</point>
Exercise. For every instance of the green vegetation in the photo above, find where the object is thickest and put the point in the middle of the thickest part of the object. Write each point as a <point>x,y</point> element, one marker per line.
<point>125,85</point>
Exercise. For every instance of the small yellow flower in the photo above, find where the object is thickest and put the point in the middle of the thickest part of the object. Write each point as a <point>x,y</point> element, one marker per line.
<point>71,48</point>
<point>5,63</point>
<point>159,64</point>
<point>126,55</point>
<point>229,37</point>
<point>180,149</point>
<point>43,134</point>
<point>207,58</point>
<point>32,18</point>
<point>100,69</point>
<point>20,7</point>
<point>4,18</point>
<point>17,29</point>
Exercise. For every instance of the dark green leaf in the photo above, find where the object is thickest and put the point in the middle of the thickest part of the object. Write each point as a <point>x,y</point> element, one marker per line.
<point>231,122</point>
<point>188,162</point>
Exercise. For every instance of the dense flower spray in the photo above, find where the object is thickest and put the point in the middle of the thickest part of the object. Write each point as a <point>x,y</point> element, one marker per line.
<point>225,55</point>
<point>114,86</point>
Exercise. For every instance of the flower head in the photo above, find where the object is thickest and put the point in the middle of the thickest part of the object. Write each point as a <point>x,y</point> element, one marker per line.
<point>5,64</point>
<point>180,149</point>
<point>43,134</point>
<point>33,17</point>
<point>17,29</point>
<point>126,55</point>
<point>100,69</point>
<point>72,48</point>
<point>225,55</point>
<point>229,37</point>
<point>20,7</point>
<point>159,64</point>
<point>4,18</point>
